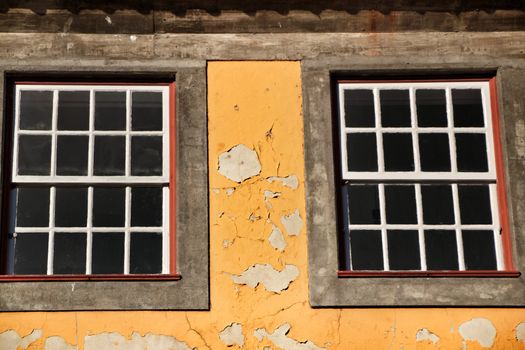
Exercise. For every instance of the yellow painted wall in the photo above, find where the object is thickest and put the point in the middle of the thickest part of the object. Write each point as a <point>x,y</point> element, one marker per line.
<point>258,105</point>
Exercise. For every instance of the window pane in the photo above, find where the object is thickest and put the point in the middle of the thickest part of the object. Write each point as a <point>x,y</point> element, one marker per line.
<point>108,253</point>
<point>471,152</point>
<point>403,250</point>
<point>110,155</point>
<point>36,110</point>
<point>431,108</point>
<point>72,155</point>
<point>146,206</point>
<point>479,250</point>
<point>145,252</point>
<point>71,207</point>
<point>32,208</point>
<point>398,151</point>
<point>361,152</point>
<point>73,110</point>
<point>366,250</point>
<point>438,206</point>
<point>69,253</point>
<point>434,152</point>
<point>441,250</point>
<point>146,112</point>
<point>110,110</point>
<point>359,108</point>
<point>146,155</point>
<point>108,206</point>
<point>34,154</point>
<point>395,108</point>
<point>363,202</point>
<point>468,109</point>
<point>400,204</point>
<point>474,204</point>
<point>31,253</point>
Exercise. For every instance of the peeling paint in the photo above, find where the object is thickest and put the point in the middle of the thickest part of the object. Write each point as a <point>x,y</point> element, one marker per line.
<point>276,239</point>
<point>272,280</point>
<point>232,335</point>
<point>480,330</point>
<point>289,181</point>
<point>520,332</point>
<point>58,343</point>
<point>425,335</point>
<point>229,191</point>
<point>270,194</point>
<point>239,163</point>
<point>280,338</point>
<point>10,340</point>
<point>108,20</point>
<point>293,223</point>
<point>115,341</point>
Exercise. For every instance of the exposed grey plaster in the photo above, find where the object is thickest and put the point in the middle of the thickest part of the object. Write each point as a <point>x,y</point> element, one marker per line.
<point>232,335</point>
<point>229,191</point>
<point>116,341</point>
<point>276,239</point>
<point>279,338</point>
<point>272,279</point>
<point>293,223</point>
<point>289,181</point>
<point>425,335</point>
<point>270,194</point>
<point>239,163</point>
<point>480,330</point>
<point>11,340</point>
<point>520,332</point>
<point>58,343</point>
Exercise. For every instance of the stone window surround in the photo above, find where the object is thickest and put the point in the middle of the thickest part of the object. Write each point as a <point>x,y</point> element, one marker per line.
<point>326,289</point>
<point>191,292</point>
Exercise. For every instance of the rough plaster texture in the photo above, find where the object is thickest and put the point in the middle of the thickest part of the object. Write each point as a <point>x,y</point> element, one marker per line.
<point>272,279</point>
<point>276,239</point>
<point>11,340</point>
<point>290,181</point>
<point>239,163</point>
<point>280,338</point>
<point>425,335</point>
<point>58,343</point>
<point>293,223</point>
<point>479,330</point>
<point>520,332</point>
<point>115,341</point>
<point>232,335</point>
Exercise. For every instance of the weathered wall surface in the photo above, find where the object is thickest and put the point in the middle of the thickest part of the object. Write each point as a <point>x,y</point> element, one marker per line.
<point>258,253</point>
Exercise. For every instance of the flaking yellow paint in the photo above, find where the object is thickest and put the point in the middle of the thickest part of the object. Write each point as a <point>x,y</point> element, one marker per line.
<point>258,104</point>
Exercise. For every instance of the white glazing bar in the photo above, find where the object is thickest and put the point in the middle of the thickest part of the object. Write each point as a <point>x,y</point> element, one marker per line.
<point>54,135</point>
<point>94,132</point>
<point>379,134</point>
<point>420,231</point>
<point>427,130</point>
<point>459,237</point>
<point>451,136</point>
<point>497,227</point>
<point>51,237</point>
<point>92,179</point>
<point>127,220</point>
<point>489,134</point>
<point>411,176</point>
<point>166,230</point>
<point>91,149</point>
<point>413,227</point>
<point>128,129</point>
<point>382,213</point>
<point>166,155</point>
<point>104,229</point>
<point>15,134</point>
<point>415,138</point>
<point>89,236</point>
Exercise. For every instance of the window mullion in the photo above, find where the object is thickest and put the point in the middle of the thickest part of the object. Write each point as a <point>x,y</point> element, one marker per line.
<point>421,232</point>
<point>451,136</point>
<point>497,227</point>
<point>51,235</point>
<point>91,146</point>
<point>459,237</point>
<point>127,224</point>
<point>379,134</point>
<point>89,234</point>
<point>384,238</point>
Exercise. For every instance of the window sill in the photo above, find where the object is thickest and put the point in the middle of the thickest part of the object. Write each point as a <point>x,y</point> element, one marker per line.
<point>413,274</point>
<point>55,278</point>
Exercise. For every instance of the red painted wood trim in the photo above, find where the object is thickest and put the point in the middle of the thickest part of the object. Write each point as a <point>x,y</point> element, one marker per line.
<point>173,179</point>
<point>44,278</point>
<point>500,174</point>
<point>411,274</point>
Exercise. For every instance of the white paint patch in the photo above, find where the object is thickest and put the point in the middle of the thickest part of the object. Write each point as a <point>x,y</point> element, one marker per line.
<point>520,332</point>
<point>239,163</point>
<point>270,194</point>
<point>293,223</point>
<point>480,330</point>
<point>115,341</point>
<point>10,340</point>
<point>58,343</point>
<point>229,191</point>
<point>232,335</point>
<point>280,339</point>
<point>272,280</point>
<point>226,243</point>
<point>133,38</point>
<point>276,239</point>
<point>425,335</point>
<point>288,181</point>
<point>108,20</point>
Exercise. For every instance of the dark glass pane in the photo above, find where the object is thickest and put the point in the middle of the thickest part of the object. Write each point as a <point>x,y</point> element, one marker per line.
<point>146,111</point>
<point>359,108</point>
<point>73,110</point>
<point>474,204</point>
<point>468,110</point>
<point>108,206</point>
<point>34,154</point>
<point>441,250</point>
<point>398,151</point>
<point>395,108</point>
<point>403,250</point>
<point>145,253</point>
<point>479,250</point>
<point>366,250</point>
<point>32,208</point>
<point>435,152</point>
<point>108,253</point>
<point>72,155</point>
<point>31,253</point>
<point>110,155</point>
<point>431,108</point>
<point>146,155</point>
<point>438,207</point>
<point>69,253</point>
<point>146,206</point>
<point>36,110</point>
<point>71,207</point>
<point>363,203</point>
<point>110,110</point>
<point>471,152</point>
<point>400,204</point>
<point>361,152</point>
